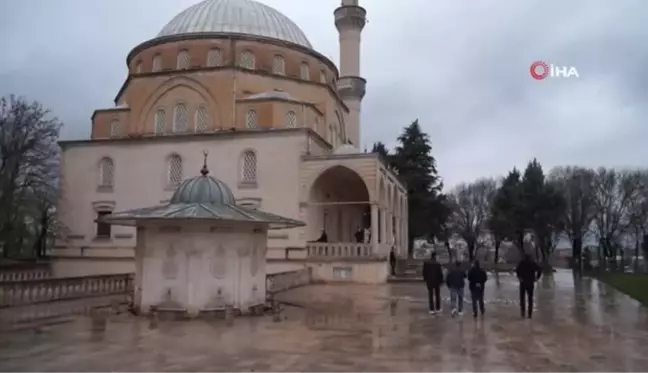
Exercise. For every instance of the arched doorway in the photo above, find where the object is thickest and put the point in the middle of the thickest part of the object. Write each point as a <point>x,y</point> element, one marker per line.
<point>338,205</point>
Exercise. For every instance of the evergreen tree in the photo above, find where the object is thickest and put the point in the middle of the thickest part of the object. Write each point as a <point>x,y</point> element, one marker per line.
<point>380,148</point>
<point>417,168</point>
<point>543,208</point>
<point>507,210</point>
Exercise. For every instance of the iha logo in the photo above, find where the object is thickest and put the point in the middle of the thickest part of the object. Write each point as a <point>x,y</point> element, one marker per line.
<point>540,70</point>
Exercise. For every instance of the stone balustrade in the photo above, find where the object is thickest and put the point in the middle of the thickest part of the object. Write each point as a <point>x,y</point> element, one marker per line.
<point>339,250</point>
<point>282,281</point>
<point>22,275</point>
<point>18,293</point>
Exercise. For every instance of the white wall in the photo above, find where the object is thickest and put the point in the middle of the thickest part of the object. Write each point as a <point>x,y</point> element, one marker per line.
<point>141,174</point>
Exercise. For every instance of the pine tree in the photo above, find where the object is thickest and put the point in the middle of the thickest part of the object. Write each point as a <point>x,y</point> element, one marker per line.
<point>417,168</point>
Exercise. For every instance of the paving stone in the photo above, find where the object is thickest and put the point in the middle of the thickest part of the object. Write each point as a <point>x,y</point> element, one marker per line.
<point>362,328</point>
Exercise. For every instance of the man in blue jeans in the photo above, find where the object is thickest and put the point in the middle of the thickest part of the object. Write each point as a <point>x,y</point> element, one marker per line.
<point>456,281</point>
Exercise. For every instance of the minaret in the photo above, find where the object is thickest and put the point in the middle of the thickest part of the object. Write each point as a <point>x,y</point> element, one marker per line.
<point>350,19</point>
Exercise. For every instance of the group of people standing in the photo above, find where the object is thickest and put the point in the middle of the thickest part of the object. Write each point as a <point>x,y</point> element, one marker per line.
<point>527,271</point>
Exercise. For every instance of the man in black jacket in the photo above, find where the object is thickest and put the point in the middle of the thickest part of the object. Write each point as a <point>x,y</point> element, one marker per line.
<point>433,277</point>
<point>528,272</point>
<point>477,278</point>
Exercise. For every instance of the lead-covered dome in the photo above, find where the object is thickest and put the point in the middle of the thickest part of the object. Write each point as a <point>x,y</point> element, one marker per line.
<point>237,17</point>
<point>203,189</point>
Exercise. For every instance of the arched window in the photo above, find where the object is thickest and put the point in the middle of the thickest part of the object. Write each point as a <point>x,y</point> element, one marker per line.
<point>106,172</point>
<point>249,167</point>
<point>291,119</point>
<point>114,128</point>
<point>279,65</point>
<point>251,119</point>
<point>322,76</point>
<point>175,170</point>
<point>183,60</point>
<point>180,118</point>
<point>157,63</point>
<point>214,57</point>
<point>304,71</point>
<point>247,60</point>
<point>138,67</point>
<point>201,119</point>
<point>341,127</point>
<point>160,124</point>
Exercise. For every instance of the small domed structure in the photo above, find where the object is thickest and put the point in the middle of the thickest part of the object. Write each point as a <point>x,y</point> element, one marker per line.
<point>346,149</point>
<point>203,189</point>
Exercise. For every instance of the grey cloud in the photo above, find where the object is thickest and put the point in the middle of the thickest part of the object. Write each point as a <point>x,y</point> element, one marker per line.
<point>460,67</point>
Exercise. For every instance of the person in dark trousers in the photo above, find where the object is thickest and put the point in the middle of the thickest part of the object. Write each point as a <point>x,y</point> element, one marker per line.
<point>477,278</point>
<point>528,272</point>
<point>392,261</point>
<point>456,281</point>
<point>433,277</point>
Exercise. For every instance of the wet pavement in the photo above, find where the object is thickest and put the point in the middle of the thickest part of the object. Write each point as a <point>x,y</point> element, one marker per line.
<point>577,326</point>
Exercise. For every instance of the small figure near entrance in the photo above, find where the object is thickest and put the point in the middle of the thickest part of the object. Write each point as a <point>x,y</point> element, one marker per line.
<point>477,278</point>
<point>359,235</point>
<point>528,272</point>
<point>433,277</point>
<point>456,281</point>
<point>392,261</point>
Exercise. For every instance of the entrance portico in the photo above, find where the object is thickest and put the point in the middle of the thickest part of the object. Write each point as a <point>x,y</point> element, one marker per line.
<point>342,193</point>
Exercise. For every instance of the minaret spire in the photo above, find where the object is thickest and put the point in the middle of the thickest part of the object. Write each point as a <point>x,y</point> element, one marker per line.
<point>350,19</point>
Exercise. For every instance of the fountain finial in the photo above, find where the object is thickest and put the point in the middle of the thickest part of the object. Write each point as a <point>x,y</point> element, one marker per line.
<point>204,171</point>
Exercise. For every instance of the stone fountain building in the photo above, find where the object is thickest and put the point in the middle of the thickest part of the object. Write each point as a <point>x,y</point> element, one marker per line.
<point>201,252</point>
<point>281,123</point>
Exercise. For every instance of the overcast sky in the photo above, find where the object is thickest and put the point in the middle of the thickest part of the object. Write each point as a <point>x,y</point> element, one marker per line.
<point>460,66</point>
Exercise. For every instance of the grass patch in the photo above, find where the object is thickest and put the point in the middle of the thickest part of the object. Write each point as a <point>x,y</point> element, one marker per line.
<point>633,284</point>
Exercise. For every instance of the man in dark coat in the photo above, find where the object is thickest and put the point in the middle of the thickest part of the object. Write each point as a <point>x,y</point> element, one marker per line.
<point>433,277</point>
<point>528,272</point>
<point>477,278</point>
<point>456,281</point>
<point>392,261</point>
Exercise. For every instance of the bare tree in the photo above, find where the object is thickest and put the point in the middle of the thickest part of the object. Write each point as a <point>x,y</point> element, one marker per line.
<point>28,174</point>
<point>639,215</point>
<point>576,184</point>
<point>471,210</point>
<point>614,192</point>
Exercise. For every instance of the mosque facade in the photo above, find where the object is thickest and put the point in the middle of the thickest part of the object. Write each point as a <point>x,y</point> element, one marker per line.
<point>281,124</point>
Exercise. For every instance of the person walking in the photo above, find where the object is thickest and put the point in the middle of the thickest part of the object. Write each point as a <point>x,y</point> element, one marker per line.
<point>456,281</point>
<point>477,278</point>
<point>433,277</point>
<point>528,272</point>
<point>392,261</point>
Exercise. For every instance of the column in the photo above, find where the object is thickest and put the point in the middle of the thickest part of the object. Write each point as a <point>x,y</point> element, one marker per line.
<point>374,228</point>
<point>383,229</point>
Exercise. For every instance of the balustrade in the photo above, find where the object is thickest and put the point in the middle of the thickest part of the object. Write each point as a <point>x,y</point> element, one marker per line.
<point>339,250</point>
<point>23,275</point>
<point>18,293</point>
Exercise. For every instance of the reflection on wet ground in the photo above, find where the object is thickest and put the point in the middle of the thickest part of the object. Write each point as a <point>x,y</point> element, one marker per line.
<point>579,326</point>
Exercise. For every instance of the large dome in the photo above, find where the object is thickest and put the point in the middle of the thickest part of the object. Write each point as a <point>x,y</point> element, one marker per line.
<point>238,17</point>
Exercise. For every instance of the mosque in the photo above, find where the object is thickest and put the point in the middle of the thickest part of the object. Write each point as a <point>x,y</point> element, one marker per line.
<point>280,122</point>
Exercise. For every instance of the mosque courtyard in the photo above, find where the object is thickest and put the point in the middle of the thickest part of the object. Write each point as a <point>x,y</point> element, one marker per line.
<point>579,325</point>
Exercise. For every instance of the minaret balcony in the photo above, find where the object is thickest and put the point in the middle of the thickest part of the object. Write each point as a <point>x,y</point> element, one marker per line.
<point>351,87</point>
<point>350,16</point>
